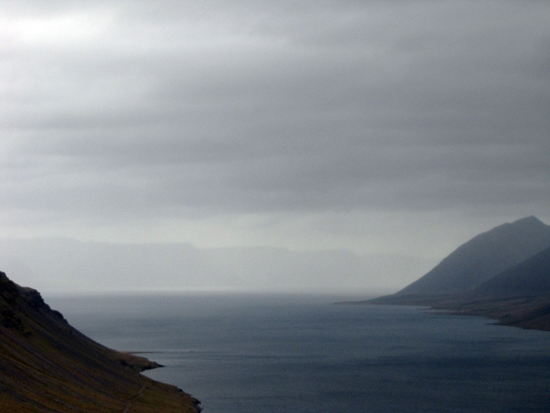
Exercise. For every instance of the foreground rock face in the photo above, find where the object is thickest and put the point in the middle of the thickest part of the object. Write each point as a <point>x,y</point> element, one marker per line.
<point>48,366</point>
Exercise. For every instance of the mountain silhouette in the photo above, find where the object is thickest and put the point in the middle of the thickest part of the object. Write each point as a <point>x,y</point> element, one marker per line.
<point>503,273</point>
<point>483,257</point>
<point>519,296</point>
<point>529,277</point>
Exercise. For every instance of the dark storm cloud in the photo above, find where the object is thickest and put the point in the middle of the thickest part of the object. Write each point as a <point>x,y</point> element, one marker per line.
<point>168,107</point>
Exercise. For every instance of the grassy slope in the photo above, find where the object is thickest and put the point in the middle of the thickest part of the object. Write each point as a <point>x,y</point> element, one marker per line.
<point>47,365</point>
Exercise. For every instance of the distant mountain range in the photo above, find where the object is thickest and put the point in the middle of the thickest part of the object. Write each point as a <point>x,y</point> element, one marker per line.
<point>65,264</point>
<point>503,273</point>
<point>48,366</point>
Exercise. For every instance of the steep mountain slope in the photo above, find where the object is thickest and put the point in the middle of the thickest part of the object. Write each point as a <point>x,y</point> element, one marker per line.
<point>519,296</point>
<point>483,257</point>
<point>528,278</point>
<point>48,366</point>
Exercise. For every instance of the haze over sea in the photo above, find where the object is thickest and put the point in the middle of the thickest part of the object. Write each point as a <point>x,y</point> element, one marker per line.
<point>273,353</point>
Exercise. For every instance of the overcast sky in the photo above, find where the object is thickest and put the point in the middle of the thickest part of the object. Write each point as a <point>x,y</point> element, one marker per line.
<point>375,126</point>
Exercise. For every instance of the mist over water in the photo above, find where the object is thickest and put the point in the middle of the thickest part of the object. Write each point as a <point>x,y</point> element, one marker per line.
<point>274,353</point>
<point>54,265</point>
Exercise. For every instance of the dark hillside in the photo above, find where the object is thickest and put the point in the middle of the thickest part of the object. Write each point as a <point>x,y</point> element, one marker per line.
<point>48,366</point>
<point>530,277</point>
<point>503,274</point>
<point>519,296</point>
<point>483,257</point>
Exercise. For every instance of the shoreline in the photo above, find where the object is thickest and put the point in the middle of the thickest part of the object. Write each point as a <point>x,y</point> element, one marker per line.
<point>48,365</point>
<point>528,312</point>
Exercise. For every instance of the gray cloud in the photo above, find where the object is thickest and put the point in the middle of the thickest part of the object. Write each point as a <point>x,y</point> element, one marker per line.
<point>171,109</point>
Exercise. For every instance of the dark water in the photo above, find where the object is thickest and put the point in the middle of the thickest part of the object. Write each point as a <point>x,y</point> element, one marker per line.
<point>267,354</point>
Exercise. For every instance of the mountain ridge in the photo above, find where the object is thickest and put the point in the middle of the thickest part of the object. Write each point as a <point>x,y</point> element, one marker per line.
<point>518,295</point>
<point>483,257</point>
<point>529,277</point>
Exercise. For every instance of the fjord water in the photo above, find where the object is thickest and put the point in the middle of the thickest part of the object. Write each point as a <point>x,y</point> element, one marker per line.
<point>273,353</point>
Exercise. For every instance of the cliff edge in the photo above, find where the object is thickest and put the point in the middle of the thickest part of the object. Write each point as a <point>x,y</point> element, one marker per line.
<point>46,365</point>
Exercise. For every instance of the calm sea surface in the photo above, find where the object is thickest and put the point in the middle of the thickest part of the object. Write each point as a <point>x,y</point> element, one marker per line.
<point>268,353</point>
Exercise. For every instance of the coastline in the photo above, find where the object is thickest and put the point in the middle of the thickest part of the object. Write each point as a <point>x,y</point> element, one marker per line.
<point>48,365</point>
<point>527,312</point>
